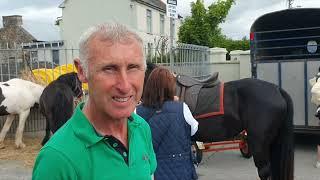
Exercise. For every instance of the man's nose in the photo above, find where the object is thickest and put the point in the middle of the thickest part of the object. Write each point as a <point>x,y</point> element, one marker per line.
<point>123,82</point>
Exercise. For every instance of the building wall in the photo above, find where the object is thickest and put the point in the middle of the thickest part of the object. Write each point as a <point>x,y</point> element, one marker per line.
<point>77,17</point>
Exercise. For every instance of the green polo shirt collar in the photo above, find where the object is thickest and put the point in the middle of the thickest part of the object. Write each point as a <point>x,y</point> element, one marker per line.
<point>84,130</point>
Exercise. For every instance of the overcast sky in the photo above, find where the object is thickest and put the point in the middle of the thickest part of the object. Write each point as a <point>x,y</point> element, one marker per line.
<point>39,15</point>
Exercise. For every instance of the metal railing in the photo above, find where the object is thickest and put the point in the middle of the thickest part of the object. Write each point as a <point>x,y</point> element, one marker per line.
<point>183,59</point>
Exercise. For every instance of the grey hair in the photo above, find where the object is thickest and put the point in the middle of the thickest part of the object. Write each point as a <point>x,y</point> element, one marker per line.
<point>112,32</point>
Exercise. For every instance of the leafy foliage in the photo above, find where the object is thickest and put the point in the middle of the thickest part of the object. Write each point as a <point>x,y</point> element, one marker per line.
<point>202,27</point>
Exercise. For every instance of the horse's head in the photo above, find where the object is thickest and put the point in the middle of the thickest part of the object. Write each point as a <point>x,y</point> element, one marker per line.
<point>74,83</point>
<point>77,86</point>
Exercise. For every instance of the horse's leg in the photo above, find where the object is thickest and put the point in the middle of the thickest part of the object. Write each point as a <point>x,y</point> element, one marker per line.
<point>261,155</point>
<point>5,129</point>
<point>259,138</point>
<point>22,119</point>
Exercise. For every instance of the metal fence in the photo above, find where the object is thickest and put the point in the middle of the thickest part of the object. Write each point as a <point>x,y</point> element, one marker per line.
<point>188,59</point>
<point>185,59</point>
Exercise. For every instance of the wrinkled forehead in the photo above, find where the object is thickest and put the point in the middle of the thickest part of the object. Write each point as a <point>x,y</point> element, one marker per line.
<point>104,43</point>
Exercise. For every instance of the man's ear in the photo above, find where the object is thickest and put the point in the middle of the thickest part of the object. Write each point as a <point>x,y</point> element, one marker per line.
<point>81,72</point>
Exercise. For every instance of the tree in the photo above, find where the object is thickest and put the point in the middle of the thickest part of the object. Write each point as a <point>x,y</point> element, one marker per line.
<point>217,13</point>
<point>202,27</point>
<point>195,29</point>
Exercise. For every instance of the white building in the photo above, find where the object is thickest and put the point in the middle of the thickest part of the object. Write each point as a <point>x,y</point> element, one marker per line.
<point>147,17</point>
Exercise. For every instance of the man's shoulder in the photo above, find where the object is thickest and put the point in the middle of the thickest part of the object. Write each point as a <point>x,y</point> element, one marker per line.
<point>64,139</point>
<point>138,119</point>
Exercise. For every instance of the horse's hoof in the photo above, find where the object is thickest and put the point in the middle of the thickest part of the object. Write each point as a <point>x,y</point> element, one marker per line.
<point>2,146</point>
<point>20,146</point>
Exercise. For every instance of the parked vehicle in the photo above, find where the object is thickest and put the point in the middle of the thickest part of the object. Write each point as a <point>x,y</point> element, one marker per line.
<point>284,48</point>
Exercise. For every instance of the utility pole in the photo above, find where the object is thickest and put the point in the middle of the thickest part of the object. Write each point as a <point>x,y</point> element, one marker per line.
<point>172,33</point>
<point>172,13</point>
<point>290,3</point>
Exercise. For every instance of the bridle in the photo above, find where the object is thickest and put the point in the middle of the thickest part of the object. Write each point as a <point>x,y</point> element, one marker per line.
<point>78,88</point>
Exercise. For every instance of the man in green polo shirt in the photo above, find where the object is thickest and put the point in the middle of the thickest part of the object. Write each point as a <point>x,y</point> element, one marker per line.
<point>104,139</point>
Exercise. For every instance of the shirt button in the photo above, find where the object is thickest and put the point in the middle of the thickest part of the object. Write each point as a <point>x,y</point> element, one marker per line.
<point>124,154</point>
<point>115,144</point>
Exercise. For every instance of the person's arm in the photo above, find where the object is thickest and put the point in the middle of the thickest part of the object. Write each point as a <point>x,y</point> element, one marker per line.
<point>190,119</point>
<point>52,165</point>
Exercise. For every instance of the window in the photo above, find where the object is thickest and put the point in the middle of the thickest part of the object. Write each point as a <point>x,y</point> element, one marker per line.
<point>149,52</point>
<point>33,56</point>
<point>55,56</point>
<point>161,24</point>
<point>149,21</point>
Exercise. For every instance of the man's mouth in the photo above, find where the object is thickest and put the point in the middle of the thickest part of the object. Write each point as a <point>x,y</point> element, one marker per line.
<point>121,99</point>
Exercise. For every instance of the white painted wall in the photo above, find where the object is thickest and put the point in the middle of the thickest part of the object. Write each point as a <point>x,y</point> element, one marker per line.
<point>155,35</point>
<point>78,16</point>
<point>237,68</point>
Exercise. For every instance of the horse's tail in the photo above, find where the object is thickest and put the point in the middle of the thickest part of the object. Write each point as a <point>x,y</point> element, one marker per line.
<point>61,112</point>
<point>42,111</point>
<point>282,152</point>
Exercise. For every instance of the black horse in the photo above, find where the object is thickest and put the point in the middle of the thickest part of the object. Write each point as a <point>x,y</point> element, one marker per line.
<point>261,108</point>
<point>57,101</point>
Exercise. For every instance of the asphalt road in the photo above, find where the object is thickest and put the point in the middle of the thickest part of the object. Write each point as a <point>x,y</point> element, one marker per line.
<point>227,165</point>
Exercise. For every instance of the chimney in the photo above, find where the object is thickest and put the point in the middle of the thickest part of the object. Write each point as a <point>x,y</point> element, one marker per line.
<point>14,20</point>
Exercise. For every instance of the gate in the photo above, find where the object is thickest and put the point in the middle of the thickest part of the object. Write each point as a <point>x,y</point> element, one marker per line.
<point>285,51</point>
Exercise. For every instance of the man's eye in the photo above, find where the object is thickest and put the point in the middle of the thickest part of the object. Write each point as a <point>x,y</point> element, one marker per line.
<point>133,67</point>
<point>108,69</point>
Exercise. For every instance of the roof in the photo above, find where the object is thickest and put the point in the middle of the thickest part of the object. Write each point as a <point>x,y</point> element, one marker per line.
<point>15,34</point>
<point>155,4</point>
<point>287,19</point>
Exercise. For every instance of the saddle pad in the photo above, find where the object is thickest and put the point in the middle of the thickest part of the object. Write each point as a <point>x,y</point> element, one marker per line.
<point>210,102</point>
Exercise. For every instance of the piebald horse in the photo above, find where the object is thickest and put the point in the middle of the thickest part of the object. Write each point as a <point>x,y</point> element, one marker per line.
<point>17,96</point>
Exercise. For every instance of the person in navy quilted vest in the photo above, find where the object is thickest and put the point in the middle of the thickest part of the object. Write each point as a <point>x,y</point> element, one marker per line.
<point>172,126</point>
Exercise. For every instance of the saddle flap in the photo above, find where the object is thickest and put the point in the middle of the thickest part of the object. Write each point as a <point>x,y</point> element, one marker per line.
<point>191,96</point>
<point>188,81</point>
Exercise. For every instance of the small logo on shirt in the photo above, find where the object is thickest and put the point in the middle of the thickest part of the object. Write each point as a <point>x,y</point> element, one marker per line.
<point>145,157</point>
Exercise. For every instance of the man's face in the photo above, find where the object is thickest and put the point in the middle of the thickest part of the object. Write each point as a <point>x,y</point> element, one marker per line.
<point>115,77</point>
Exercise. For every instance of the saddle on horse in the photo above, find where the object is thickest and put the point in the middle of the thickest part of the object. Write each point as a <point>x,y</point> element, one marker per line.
<point>201,93</point>
<point>187,81</point>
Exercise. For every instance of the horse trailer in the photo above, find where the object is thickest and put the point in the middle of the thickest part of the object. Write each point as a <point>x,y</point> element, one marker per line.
<point>284,50</point>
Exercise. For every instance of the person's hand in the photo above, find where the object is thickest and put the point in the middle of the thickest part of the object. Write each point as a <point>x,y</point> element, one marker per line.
<point>175,98</point>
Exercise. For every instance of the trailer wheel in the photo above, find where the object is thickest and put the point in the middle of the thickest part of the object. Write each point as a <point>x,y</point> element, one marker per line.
<point>245,150</point>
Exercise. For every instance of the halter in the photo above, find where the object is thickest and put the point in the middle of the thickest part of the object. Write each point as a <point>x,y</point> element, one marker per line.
<point>317,76</point>
<point>78,87</point>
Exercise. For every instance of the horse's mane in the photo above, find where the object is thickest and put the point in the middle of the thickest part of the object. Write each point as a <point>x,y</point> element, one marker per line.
<point>26,74</point>
<point>67,78</point>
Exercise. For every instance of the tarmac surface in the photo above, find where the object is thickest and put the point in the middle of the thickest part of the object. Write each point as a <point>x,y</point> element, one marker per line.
<point>230,165</point>
<point>227,165</point>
